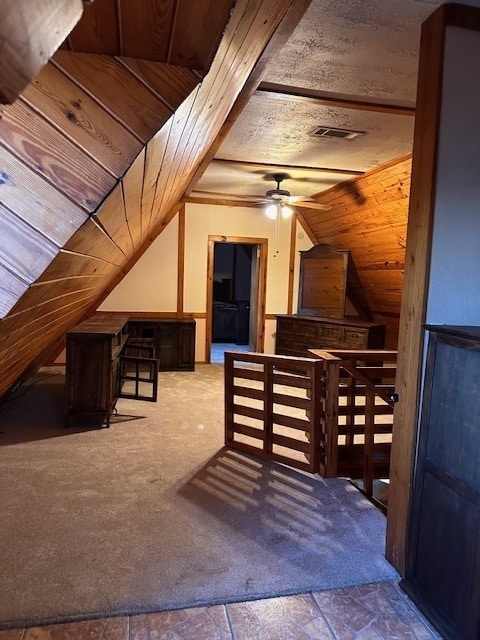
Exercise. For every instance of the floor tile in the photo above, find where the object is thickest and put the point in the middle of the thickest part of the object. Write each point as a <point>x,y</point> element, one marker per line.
<point>286,618</point>
<point>203,623</point>
<point>12,634</point>
<point>104,629</point>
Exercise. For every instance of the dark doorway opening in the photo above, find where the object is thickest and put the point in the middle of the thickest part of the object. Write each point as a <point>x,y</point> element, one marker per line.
<point>232,290</point>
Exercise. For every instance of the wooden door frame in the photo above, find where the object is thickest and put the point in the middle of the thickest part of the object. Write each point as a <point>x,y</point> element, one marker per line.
<point>260,293</point>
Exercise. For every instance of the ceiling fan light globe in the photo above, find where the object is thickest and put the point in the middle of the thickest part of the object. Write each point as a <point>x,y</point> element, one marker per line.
<point>286,211</point>
<point>271,211</point>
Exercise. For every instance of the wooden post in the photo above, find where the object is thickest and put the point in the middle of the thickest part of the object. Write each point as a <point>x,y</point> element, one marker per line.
<point>268,408</point>
<point>331,410</point>
<point>369,441</point>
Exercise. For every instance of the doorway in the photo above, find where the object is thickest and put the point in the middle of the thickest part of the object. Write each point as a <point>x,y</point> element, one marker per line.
<point>236,277</point>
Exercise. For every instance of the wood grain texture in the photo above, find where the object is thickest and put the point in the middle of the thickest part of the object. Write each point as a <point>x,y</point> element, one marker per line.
<point>97,31</point>
<point>132,186</point>
<point>146,27</point>
<point>170,83</point>
<point>368,215</point>
<point>417,263</point>
<point>82,119</point>
<point>30,32</point>
<point>118,90</point>
<point>37,202</point>
<point>48,152</point>
<point>93,261</point>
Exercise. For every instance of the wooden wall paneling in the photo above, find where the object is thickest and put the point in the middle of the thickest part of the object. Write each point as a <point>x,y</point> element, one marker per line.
<point>171,84</point>
<point>30,32</point>
<point>181,259</point>
<point>37,202</point>
<point>97,31</point>
<point>154,161</point>
<point>92,240</point>
<point>117,89</point>
<point>189,46</point>
<point>417,263</point>
<point>23,250</point>
<point>112,218</point>
<point>291,262</point>
<point>82,119</point>
<point>132,187</point>
<point>68,264</point>
<point>146,27</point>
<point>48,152</point>
<point>12,287</point>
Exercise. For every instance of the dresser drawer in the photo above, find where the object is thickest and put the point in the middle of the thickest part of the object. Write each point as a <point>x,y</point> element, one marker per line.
<point>335,333</point>
<point>307,330</point>
<point>287,326</point>
<point>355,338</point>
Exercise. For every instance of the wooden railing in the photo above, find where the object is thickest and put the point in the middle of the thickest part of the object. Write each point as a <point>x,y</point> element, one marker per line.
<point>331,415</point>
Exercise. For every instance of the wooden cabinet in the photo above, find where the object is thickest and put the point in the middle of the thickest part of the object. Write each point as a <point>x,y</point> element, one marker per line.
<point>100,368</point>
<point>443,550</point>
<point>296,334</point>
<point>173,338</point>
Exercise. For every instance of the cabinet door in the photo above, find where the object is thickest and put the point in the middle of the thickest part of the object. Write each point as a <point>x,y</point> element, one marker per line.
<point>186,347</point>
<point>166,346</point>
<point>138,378</point>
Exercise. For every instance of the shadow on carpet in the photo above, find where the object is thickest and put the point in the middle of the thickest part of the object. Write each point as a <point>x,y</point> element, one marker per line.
<point>153,514</point>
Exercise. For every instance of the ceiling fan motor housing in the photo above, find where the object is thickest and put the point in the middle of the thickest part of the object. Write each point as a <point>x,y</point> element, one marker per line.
<point>278,194</point>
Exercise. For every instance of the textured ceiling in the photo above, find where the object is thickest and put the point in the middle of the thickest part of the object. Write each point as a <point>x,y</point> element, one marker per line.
<point>363,50</point>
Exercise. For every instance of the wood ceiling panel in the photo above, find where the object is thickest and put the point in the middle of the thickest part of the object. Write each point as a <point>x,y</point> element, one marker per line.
<point>36,201</point>
<point>22,249</point>
<point>111,217</point>
<point>11,289</point>
<point>74,265</point>
<point>189,47</point>
<point>47,151</point>
<point>30,32</point>
<point>97,31</point>
<point>118,90</point>
<point>132,186</point>
<point>171,83</point>
<point>82,119</point>
<point>146,27</point>
<point>93,241</point>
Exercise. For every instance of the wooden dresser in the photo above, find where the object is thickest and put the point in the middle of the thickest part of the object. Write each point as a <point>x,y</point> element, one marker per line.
<point>296,334</point>
<point>101,367</point>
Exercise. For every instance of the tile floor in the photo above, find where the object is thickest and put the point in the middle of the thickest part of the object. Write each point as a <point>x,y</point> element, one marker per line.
<point>368,612</point>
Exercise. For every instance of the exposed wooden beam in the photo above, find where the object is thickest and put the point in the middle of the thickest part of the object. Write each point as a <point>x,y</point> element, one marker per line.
<point>285,167</point>
<point>277,42</point>
<point>181,260</point>
<point>227,201</point>
<point>30,33</point>
<point>319,98</point>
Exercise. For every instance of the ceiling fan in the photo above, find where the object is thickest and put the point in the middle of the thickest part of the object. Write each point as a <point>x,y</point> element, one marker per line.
<point>284,197</point>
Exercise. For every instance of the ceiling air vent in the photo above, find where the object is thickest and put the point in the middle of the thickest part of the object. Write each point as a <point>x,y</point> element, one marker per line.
<point>330,132</point>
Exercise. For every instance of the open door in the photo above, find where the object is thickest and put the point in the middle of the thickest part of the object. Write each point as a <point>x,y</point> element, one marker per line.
<point>256,320</point>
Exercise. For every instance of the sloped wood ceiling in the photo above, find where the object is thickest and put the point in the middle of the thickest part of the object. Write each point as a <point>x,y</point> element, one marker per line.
<point>77,134</point>
<point>368,215</point>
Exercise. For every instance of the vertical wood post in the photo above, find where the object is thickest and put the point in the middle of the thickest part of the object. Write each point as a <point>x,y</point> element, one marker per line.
<point>268,408</point>
<point>331,409</point>
<point>369,443</point>
<point>229,372</point>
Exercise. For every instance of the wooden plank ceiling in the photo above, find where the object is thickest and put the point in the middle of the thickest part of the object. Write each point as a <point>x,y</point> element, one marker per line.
<point>368,215</point>
<point>96,155</point>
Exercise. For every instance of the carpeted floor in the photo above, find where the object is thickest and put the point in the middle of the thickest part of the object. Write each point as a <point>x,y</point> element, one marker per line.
<point>154,514</point>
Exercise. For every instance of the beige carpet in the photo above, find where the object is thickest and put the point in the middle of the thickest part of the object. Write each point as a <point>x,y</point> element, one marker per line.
<point>154,514</point>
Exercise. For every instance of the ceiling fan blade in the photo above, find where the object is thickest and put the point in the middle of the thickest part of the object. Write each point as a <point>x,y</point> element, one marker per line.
<point>312,205</point>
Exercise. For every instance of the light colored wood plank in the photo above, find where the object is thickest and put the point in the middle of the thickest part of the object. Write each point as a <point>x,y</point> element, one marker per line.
<point>118,90</point>
<point>132,185</point>
<point>189,46</point>
<point>36,201</point>
<point>48,152</point>
<point>22,249</point>
<point>30,32</point>
<point>68,264</point>
<point>97,31</point>
<point>82,119</point>
<point>111,217</point>
<point>172,84</point>
<point>146,27</point>
<point>12,287</point>
<point>93,241</point>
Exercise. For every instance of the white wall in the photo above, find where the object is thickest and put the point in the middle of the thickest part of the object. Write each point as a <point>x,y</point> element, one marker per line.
<point>151,285</point>
<point>454,286</point>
